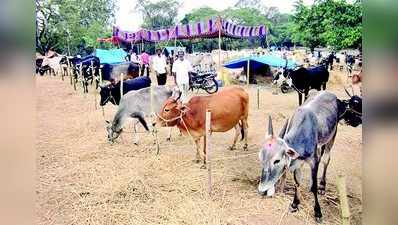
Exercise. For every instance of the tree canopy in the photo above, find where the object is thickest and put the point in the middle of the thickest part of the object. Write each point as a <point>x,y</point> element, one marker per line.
<point>72,23</point>
<point>333,23</point>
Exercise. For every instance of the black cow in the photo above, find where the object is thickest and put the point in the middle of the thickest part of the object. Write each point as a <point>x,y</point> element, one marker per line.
<point>87,74</point>
<point>304,79</point>
<point>111,92</point>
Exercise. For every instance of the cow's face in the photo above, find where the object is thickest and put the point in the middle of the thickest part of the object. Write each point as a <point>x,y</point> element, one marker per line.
<point>353,114</point>
<point>275,156</point>
<point>112,133</point>
<point>171,110</point>
<point>106,95</point>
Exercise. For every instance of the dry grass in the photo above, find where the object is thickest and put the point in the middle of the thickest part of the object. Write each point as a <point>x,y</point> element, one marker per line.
<point>81,179</point>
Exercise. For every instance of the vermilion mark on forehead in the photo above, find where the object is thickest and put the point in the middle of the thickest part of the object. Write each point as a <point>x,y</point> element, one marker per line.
<point>269,144</point>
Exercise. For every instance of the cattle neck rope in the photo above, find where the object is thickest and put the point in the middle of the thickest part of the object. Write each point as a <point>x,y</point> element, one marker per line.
<point>174,119</point>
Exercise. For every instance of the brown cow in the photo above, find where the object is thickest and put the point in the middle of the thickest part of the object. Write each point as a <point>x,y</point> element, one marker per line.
<point>229,108</point>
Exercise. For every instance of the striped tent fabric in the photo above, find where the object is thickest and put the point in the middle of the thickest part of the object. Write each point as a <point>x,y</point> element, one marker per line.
<point>203,29</point>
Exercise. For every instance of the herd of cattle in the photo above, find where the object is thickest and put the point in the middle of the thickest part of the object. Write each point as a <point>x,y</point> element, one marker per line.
<point>307,137</point>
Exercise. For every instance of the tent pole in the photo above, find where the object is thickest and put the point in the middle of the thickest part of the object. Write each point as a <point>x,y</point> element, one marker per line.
<point>219,46</point>
<point>142,45</point>
<point>248,71</point>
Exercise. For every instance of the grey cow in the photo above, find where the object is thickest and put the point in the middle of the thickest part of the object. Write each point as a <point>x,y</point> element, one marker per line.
<point>137,104</point>
<point>307,138</point>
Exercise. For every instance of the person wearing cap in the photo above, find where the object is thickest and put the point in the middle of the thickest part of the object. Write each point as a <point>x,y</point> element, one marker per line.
<point>181,69</point>
<point>159,65</point>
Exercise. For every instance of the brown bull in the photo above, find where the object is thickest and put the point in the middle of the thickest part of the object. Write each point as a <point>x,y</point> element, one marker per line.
<point>229,109</point>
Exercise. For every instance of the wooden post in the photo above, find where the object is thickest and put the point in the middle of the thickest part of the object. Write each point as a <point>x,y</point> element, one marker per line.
<point>345,210</point>
<point>62,72</point>
<point>248,71</point>
<point>258,97</point>
<point>154,129</point>
<point>121,86</point>
<point>95,90</point>
<point>70,72</point>
<point>81,75</point>
<point>208,149</point>
<point>100,82</point>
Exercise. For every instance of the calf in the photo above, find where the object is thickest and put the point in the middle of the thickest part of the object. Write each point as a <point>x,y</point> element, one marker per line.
<point>229,108</point>
<point>138,104</point>
<point>308,137</point>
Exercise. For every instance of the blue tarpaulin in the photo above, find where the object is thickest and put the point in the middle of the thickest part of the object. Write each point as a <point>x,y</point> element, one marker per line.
<point>111,56</point>
<point>258,61</point>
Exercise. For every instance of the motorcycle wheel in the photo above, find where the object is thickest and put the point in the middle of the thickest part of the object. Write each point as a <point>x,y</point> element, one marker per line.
<point>210,86</point>
<point>284,89</point>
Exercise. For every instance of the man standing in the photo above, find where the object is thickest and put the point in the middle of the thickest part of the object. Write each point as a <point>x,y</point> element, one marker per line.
<point>181,69</point>
<point>144,63</point>
<point>159,65</point>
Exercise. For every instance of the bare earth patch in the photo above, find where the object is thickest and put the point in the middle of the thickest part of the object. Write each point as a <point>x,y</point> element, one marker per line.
<point>82,179</point>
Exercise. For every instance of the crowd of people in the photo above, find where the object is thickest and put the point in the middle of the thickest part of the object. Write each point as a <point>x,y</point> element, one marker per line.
<point>176,66</point>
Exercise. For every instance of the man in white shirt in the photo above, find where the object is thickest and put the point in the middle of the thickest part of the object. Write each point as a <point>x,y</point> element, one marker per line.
<point>159,65</point>
<point>181,69</point>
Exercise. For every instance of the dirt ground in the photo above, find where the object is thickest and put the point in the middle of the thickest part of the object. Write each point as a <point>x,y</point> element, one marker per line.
<point>82,179</point>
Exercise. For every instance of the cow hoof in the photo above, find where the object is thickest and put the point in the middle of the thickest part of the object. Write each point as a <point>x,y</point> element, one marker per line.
<point>232,148</point>
<point>293,209</point>
<point>203,167</point>
<point>196,161</point>
<point>135,143</point>
<point>168,139</point>
<point>245,147</point>
<point>318,219</point>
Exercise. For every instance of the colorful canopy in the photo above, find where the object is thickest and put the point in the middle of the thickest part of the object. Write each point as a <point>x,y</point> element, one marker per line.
<point>257,61</point>
<point>207,29</point>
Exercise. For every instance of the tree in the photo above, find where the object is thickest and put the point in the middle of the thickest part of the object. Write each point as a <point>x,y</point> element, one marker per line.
<point>333,23</point>
<point>199,14</point>
<point>72,25</point>
<point>158,15</point>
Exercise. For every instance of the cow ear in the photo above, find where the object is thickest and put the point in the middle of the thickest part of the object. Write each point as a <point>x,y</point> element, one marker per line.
<point>292,153</point>
<point>261,155</point>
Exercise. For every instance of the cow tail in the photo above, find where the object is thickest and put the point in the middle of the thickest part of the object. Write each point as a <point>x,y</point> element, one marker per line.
<point>242,131</point>
<point>143,122</point>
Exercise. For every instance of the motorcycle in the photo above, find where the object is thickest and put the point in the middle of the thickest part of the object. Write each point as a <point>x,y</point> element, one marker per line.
<point>204,80</point>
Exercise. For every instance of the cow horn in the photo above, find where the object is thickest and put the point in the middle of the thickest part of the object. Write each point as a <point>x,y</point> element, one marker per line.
<point>348,93</point>
<point>283,131</point>
<point>270,128</point>
<point>176,98</point>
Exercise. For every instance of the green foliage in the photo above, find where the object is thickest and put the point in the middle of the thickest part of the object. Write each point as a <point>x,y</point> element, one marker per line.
<point>333,23</point>
<point>73,23</point>
<point>199,14</point>
<point>158,15</point>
